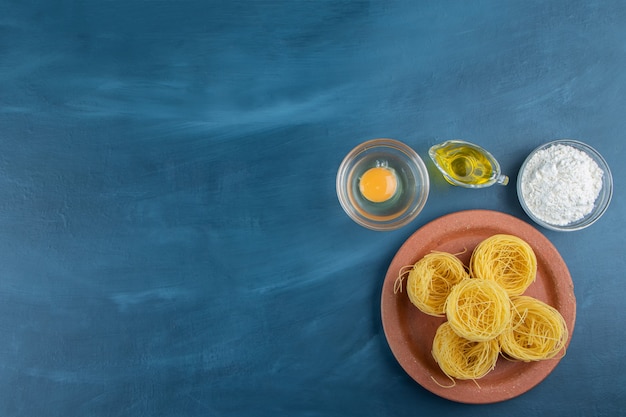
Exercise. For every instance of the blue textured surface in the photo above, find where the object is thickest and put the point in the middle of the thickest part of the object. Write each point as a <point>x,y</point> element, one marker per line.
<point>170,239</point>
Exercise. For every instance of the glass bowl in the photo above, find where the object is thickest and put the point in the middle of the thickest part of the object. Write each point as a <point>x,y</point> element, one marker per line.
<point>536,210</point>
<point>411,184</point>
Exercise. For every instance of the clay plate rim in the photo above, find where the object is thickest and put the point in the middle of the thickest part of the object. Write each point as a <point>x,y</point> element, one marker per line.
<point>409,332</point>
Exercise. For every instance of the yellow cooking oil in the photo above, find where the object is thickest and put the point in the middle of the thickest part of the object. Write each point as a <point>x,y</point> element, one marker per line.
<point>466,164</point>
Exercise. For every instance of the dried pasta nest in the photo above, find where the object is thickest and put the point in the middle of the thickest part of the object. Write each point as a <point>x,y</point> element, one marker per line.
<point>538,331</point>
<point>478,309</point>
<point>431,279</point>
<point>507,260</point>
<point>461,358</point>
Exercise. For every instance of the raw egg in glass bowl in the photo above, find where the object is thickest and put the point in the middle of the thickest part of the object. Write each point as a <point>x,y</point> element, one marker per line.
<point>382,184</point>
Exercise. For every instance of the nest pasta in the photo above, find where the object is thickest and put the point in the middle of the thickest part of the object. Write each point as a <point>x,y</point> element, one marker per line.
<point>538,331</point>
<point>507,260</point>
<point>460,358</point>
<point>487,315</point>
<point>431,279</point>
<point>478,309</point>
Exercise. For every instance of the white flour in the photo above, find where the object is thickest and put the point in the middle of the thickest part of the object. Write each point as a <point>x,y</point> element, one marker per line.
<point>560,184</point>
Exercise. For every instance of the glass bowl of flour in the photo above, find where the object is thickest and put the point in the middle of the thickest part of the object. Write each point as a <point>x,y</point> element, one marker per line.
<point>564,185</point>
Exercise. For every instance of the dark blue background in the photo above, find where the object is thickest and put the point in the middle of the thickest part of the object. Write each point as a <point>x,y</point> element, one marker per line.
<point>170,239</point>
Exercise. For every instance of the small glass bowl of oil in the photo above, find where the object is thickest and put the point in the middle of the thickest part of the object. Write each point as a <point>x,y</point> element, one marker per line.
<point>467,165</point>
<point>382,184</point>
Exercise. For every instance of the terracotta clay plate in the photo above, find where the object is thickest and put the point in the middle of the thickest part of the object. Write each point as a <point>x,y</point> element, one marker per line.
<point>410,332</point>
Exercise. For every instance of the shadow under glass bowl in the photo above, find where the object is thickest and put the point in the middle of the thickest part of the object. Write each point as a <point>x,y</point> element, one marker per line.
<point>413,184</point>
<point>601,203</point>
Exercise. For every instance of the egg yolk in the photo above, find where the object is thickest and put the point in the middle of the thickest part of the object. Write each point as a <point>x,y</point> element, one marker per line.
<point>378,184</point>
